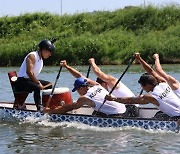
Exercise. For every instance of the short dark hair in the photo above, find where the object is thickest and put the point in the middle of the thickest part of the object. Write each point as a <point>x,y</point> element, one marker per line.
<point>100,81</point>
<point>147,79</point>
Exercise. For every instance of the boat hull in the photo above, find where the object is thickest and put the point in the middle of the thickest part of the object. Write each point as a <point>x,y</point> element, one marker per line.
<point>144,123</point>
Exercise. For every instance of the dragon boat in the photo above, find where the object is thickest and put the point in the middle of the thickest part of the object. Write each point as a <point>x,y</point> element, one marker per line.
<point>83,115</point>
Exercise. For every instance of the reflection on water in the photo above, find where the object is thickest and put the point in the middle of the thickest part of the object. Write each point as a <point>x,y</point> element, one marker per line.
<point>46,137</point>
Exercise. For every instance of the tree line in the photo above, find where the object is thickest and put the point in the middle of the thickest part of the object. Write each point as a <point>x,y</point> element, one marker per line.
<point>109,37</point>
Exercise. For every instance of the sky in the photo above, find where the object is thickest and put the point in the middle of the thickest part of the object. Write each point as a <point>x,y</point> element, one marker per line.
<point>17,7</point>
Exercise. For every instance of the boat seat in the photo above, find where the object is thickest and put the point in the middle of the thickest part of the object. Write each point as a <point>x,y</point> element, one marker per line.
<point>20,96</point>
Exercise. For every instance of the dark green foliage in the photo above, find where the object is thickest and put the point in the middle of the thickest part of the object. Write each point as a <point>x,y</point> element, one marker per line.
<point>109,37</point>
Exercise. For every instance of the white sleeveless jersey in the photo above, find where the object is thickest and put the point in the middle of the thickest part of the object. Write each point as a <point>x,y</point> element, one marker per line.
<point>177,92</point>
<point>122,91</point>
<point>36,69</point>
<point>169,103</point>
<point>97,94</point>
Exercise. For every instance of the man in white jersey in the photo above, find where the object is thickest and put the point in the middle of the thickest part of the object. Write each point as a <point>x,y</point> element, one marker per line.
<point>121,90</point>
<point>93,97</point>
<point>132,111</point>
<point>173,83</point>
<point>162,95</point>
<point>30,69</point>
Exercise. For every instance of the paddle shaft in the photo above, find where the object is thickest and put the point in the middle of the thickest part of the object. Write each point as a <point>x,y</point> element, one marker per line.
<point>89,69</point>
<point>141,92</point>
<point>54,87</point>
<point>117,82</point>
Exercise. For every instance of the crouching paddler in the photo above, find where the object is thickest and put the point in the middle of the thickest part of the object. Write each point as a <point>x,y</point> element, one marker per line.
<point>30,68</point>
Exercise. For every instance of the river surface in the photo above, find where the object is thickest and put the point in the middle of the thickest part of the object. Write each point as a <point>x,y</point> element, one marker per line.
<point>33,136</point>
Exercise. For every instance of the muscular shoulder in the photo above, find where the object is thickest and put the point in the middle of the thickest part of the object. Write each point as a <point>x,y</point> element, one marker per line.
<point>91,82</point>
<point>31,55</point>
<point>31,58</point>
<point>111,81</point>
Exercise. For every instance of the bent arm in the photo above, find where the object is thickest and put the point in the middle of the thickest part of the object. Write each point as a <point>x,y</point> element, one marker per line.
<point>76,73</point>
<point>158,67</point>
<point>73,71</point>
<point>30,61</point>
<point>107,78</point>
<point>146,99</point>
<point>148,68</point>
<point>69,107</point>
<point>171,80</point>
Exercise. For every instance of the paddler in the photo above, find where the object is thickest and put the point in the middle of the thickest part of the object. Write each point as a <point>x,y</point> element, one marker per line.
<point>173,83</point>
<point>162,95</point>
<point>120,91</point>
<point>92,96</point>
<point>31,67</point>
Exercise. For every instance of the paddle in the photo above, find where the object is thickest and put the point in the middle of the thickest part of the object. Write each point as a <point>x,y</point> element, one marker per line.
<point>89,69</point>
<point>141,92</point>
<point>50,97</point>
<point>117,83</point>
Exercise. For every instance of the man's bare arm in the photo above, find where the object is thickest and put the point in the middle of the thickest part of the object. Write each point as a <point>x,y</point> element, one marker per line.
<point>73,71</point>
<point>146,99</point>
<point>101,74</point>
<point>148,68</point>
<point>170,80</point>
<point>69,107</point>
<point>30,61</point>
<point>76,73</point>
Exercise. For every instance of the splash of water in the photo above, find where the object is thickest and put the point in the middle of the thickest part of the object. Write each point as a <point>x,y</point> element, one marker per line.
<point>45,122</point>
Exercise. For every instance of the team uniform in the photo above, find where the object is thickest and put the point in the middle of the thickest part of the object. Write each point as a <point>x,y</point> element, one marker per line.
<point>97,94</point>
<point>124,91</point>
<point>169,103</point>
<point>24,83</point>
<point>177,92</point>
<point>37,66</point>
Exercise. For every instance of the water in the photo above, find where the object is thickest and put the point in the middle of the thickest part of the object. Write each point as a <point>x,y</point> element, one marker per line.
<point>33,136</point>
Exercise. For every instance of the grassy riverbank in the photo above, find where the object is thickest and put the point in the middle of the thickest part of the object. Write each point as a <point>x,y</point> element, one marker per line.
<point>109,37</point>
